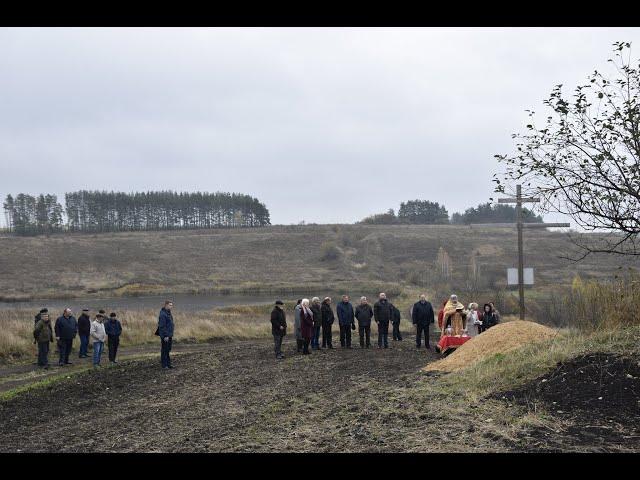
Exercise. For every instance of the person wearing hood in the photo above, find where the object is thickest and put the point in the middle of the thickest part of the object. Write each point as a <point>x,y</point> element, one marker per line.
<point>84,329</point>
<point>297,324</point>
<point>327,320</point>
<point>488,317</point>
<point>278,327</point>
<point>346,321</point>
<point>306,325</point>
<point>43,336</point>
<point>317,323</point>
<point>473,320</point>
<point>98,337</point>
<point>66,329</point>
<point>382,314</point>
<point>422,315</point>
<point>364,314</point>
<point>113,327</point>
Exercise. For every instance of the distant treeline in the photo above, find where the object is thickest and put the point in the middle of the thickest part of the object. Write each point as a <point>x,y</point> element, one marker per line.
<point>95,211</point>
<point>424,212</point>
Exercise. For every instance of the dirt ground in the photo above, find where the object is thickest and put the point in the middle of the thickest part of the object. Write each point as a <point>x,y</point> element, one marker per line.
<point>236,397</point>
<point>595,399</point>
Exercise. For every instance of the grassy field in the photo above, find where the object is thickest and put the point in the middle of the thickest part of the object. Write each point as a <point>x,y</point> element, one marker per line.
<point>284,260</point>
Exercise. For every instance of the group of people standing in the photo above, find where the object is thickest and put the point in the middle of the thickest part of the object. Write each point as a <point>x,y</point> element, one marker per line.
<point>97,331</point>
<point>315,317</point>
<point>455,319</point>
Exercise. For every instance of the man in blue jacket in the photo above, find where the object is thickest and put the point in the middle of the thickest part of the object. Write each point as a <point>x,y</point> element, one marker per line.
<point>165,331</point>
<point>66,329</point>
<point>422,316</point>
<point>113,329</point>
<point>346,321</point>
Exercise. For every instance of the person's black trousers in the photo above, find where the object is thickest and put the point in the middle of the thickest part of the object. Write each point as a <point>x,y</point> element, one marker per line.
<point>420,329</point>
<point>114,341</point>
<point>65,349</point>
<point>299,344</point>
<point>165,348</point>
<point>305,346</point>
<point>277,340</point>
<point>383,333</point>
<point>396,331</point>
<point>362,331</point>
<point>326,335</point>
<point>43,354</point>
<point>345,335</point>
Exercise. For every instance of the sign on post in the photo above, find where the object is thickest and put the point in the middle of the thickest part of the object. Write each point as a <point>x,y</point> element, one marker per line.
<point>512,276</point>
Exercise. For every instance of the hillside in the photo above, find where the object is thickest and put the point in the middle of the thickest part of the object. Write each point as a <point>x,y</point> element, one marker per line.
<point>280,258</point>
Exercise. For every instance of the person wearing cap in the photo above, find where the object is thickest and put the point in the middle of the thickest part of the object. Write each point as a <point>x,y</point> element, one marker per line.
<point>165,331</point>
<point>113,328</point>
<point>364,313</point>
<point>327,320</point>
<point>98,336</point>
<point>422,315</point>
<point>278,327</point>
<point>66,329</point>
<point>382,314</point>
<point>43,335</point>
<point>346,321</point>
<point>84,329</point>
<point>317,323</point>
<point>39,315</point>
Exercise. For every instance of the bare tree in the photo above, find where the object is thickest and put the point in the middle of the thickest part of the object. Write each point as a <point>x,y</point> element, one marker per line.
<point>584,160</point>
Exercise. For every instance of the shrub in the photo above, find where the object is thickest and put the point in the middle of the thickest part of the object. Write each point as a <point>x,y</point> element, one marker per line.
<point>329,251</point>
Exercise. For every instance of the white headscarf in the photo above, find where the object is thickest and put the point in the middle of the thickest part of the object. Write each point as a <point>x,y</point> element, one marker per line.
<point>305,307</point>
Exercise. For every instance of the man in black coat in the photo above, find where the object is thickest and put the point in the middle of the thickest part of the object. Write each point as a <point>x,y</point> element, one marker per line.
<point>66,329</point>
<point>363,314</point>
<point>422,316</point>
<point>395,320</point>
<point>382,314</point>
<point>327,320</point>
<point>84,328</point>
<point>278,327</point>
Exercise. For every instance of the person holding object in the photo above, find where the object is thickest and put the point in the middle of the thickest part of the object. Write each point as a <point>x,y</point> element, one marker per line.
<point>84,329</point>
<point>422,315</point>
<point>364,313</point>
<point>113,327</point>
<point>98,336</point>
<point>346,321</point>
<point>306,325</point>
<point>278,327</point>
<point>66,328</point>
<point>43,335</point>
<point>473,320</point>
<point>165,331</point>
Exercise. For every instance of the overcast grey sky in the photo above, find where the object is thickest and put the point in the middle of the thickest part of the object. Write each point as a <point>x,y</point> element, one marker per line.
<point>322,124</point>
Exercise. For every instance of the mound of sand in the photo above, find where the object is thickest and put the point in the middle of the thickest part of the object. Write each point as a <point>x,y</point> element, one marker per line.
<point>499,339</point>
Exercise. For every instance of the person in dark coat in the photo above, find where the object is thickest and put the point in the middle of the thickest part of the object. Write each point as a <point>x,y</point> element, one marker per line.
<point>382,314</point>
<point>165,331</point>
<point>113,329</point>
<point>395,320</point>
<point>346,321</point>
<point>84,328</point>
<point>422,315</point>
<point>306,325</point>
<point>297,324</point>
<point>317,323</point>
<point>488,318</point>
<point>43,336</point>
<point>66,329</point>
<point>278,327</point>
<point>327,320</point>
<point>364,313</point>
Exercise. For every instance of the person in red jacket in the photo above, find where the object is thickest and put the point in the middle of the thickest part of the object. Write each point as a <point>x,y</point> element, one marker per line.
<point>441,314</point>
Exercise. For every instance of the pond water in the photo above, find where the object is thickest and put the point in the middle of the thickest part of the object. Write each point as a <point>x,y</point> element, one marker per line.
<point>181,302</point>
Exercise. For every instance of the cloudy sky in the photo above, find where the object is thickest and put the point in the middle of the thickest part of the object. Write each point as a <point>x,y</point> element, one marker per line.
<point>322,124</point>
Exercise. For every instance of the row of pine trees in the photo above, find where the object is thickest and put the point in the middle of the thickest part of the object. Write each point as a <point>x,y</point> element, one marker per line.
<point>101,211</point>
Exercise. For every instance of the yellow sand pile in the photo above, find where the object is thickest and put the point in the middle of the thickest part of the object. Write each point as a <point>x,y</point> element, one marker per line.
<point>499,339</point>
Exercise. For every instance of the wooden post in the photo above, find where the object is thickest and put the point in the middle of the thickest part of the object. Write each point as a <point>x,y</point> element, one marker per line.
<point>520,250</point>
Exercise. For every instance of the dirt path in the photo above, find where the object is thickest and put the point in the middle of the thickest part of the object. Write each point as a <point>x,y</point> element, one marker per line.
<point>233,397</point>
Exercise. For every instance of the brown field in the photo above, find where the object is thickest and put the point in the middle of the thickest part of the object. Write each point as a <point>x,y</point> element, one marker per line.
<point>281,259</point>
